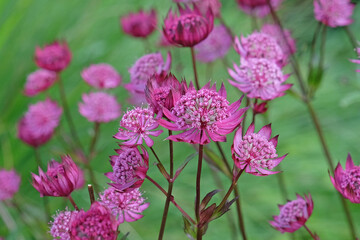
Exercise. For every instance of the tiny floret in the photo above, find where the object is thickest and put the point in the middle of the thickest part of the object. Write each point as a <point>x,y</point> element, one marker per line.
<point>101,76</point>
<point>9,184</point>
<point>53,57</point>
<point>39,81</point>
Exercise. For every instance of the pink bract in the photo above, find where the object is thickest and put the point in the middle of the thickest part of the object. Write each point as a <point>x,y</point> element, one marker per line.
<point>256,152</point>
<point>334,13</point>
<point>9,184</point>
<point>60,226</point>
<point>259,8</point>
<point>39,81</point>
<point>53,57</point>
<point>99,107</point>
<point>140,24</point>
<point>294,214</point>
<point>275,31</point>
<point>357,61</point>
<point>101,76</point>
<point>26,134</point>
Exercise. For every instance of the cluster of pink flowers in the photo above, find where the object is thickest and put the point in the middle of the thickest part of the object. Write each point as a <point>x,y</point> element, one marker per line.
<point>259,8</point>
<point>140,24</point>
<point>334,13</point>
<point>9,184</point>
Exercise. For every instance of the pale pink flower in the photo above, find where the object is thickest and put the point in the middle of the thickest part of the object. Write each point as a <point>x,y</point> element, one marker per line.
<point>9,184</point>
<point>275,31</point>
<point>137,99</point>
<point>99,107</point>
<point>357,61</point>
<point>204,5</point>
<point>101,76</point>
<point>259,8</point>
<point>334,13</point>
<point>140,24</point>
<point>39,81</point>
<point>60,227</point>
<point>53,57</point>
<point>26,134</point>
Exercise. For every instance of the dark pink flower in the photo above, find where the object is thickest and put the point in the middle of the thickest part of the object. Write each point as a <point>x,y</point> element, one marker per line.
<point>59,180</point>
<point>334,13</point>
<point>256,152</point>
<point>204,114</point>
<point>140,24</point>
<point>275,31</point>
<point>259,8</point>
<point>347,181</point>
<point>294,214</point>
<point>129,168</point>
<point>9,184</point>
<point>39,81</point>
<point>99,107</point>
<point>60,227</point>
<point>53,57</point>
<point>126,206</point>
<point>357,61</point>
<point>188,29</point>
<point>101,76</point>
<point>27,135</point>
<point>97,223</point>
<point>260,108</point>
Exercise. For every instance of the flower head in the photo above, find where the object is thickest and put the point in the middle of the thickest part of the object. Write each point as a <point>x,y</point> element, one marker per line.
<point>129,168</point>
<point>39,81</point>
<point>59,180</point>
<point>215,46</point>
<point>140,24</point>
<point>126,206</point>
<point>99,107</point>
<point>9,184</point>
<point>96,223</point>
<point>188,29</point>
<point>60,227</point>
<point>259,78</point>
<point>256,152</point>
<point>347,181</point>
<point>53,57</point>
<point>334,13</point>
<point>357,61</point>
<point>204,114</point>
<point>258,7</point>
<point>101,76</point>
<point>294,214</point>
<point>27,135</point>
<point>275,31</point>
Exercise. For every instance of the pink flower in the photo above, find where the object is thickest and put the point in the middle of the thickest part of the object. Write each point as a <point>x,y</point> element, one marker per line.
<point>97,223</point>
<point>259,8</point>
<point>204,5</point>
<point>204,114</point>
<point>99,107</point>
<point>347,181</point>
<point>188,29</point>
<point>294,214</point>
<point>138,124</point>
<point>215,46</point>
<point>39,81</point>
<point>53,57</point>
<point>334,13</point>
<point>129,168</point>
<point>259,78</point>
<point>357,61</point>
<point>275,31</point>
<point>9,184</point>
<point>27,135</point>
<point>59,180</point>
<point>256,152</point>
<point>137,99</point>
<point>60,227</point>
<point>126,206</point>
<point>101,76</point>
<point>140,24</point>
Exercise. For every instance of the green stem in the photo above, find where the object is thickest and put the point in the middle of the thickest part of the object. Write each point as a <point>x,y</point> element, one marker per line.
<point>73,203</point>
<point>351,37</point>
<point>311,234</point>
<point>197,197</point>
<point>94,140</point>
<point>312,47</point>
<point>194,68</point>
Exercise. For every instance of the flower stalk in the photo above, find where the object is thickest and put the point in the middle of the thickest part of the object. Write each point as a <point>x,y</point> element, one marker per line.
<point>197,196</point>
<point>194,68</point>
<point>73,203</point>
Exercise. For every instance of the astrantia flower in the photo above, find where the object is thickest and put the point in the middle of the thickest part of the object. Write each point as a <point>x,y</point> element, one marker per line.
<point>294,214</point>
<point>204,5</point>
<point>97,223</point>
<point>139,24</point>
<point>126,206</point>
<point>275,31</point>
<point>204,114</point>
<point>53,57</point>
<point>259,8</point>
<point>137,124</point>
<point>59,180</point>
<point>137,99</point>
<point>60,227</point>
<point>188,29</point>
<point>334,13</point>
<point>129,168</point>
<point>357,61</point>
<point>27,135</point>
<point>9,184</point>
<point>259,78</point>
<point>99,107</point>
<point>39,81</point>
<point>102,76</point>
<point>215,46</point>
<point>347,181</point>
<point>256,152</point>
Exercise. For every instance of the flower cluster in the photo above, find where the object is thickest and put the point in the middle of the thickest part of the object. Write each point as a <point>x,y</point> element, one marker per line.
<point>101,76</point>
<point>60,226</point>
<point>140,24</point>
<point>334,13</point>
<point>53,57</point>
<point>9,184</point>
<point>39,81</point>
<point>259,8</point>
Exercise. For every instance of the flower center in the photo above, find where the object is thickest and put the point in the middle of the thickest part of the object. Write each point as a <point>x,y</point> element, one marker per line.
<point>292,210</point>
<point>351,179</point>
<point>125,165</point>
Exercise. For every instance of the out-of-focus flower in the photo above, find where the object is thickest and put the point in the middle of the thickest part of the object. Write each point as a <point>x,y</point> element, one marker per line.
<point>96,223</point>
<point>140,24</point>
<point>126,206</point>
<point>204,5</point>
<point>26,135</point>
<point>9,184</point>
<point>259,8</point>
<point>137,99</point>
<point>39,81</point>
<point>256,152</point>
<point>204,114</point>
<point>275,31</point>
<point>188,29</point>
<point>53,57</point>
<point>59,180</point>
<point>294,214</point>
<point>260,108</point>
<point>129,168</point>
<point>259,78</point>
<point>334,13</point>
<point>101,76</point>
<point>357,61</point>
<point>215,46</point>
<point>60,227</point>
<point>137,124</point>
<point>347,181</point>
<point>99,107</point>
